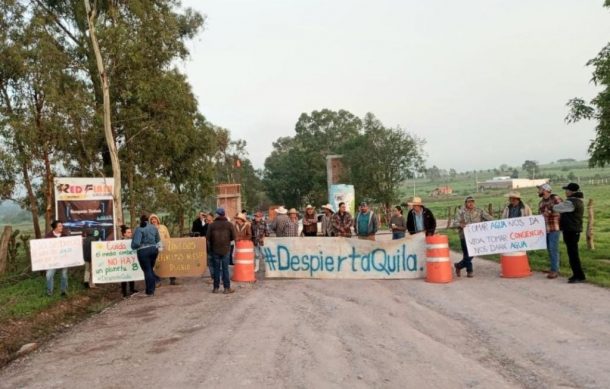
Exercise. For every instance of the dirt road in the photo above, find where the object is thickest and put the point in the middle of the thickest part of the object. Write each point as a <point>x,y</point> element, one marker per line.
<point>484,332</point>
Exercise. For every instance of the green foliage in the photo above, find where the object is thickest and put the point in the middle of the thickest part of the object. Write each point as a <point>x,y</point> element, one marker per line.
<point>377,159</point>
<point>13,246</point>
<point>598,109</point>
<point>531,167</point>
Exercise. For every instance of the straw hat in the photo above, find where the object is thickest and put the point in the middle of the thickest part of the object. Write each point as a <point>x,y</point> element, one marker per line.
<point>329,207</point>
<point>513,194</point>
<point>415,201</point>
<point>242,217</point>
<point>281,210</point>
<point>293,210</point>
<point>309,206</point>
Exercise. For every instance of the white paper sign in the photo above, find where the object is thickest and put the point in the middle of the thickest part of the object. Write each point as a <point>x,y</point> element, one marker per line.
<point>114,261</point>
<point>56,253</point>
<point>506,235</point>
<point>345,258</point>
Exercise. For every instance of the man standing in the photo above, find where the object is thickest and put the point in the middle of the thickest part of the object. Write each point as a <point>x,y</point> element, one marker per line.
<point>468,214</point>
<point>259,232</point>
<point>280,223</point>
<point>199,225</point>
<point>219,236</point>
<point>570,223</point>
<point>420,218</point>
<point>342,222</point>
<point>292,227</point>
<point>551,220</point>
<point>327,221</point>
<point>366,222</point>
<point>57,232</point>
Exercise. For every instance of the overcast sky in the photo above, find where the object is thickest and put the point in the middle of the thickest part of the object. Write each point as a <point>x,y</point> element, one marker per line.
<point>484,82</point>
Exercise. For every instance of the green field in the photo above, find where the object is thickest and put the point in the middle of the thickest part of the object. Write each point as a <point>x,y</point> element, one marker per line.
<point>595,184</point>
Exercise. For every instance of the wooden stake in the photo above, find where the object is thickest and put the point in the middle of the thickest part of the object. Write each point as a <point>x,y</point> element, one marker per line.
<point>590,231</point>
<point>4,240</point>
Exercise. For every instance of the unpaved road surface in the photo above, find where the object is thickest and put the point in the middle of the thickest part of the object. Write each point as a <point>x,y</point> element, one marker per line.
<point>484,332</point>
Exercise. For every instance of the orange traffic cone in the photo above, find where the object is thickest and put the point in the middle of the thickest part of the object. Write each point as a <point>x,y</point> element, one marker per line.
<point>243,262</point>
<point>438,260</point>
<point>515,265</point>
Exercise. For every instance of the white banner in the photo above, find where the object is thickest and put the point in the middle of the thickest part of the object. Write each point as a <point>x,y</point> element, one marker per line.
<point>56,253</point>
<point>506,235</point>
<point>114,261</point>
<point>345,258</point>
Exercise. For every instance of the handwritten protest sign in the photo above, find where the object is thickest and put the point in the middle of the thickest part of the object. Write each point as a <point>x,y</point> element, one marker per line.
<point>114,261</point>
<point>182,257</point>
<point>56,253</point>
<point>345,258</point>
<point>506,235</point>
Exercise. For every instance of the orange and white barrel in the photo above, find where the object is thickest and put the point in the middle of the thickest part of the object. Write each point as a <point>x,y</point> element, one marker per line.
<point>243,261</point>
<point>438,259</point>
<point>515,265</point>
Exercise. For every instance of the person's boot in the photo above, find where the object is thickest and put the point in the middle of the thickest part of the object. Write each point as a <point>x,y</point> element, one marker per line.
<point>469,274</point>
<point>228,291</point>
<point>458,270</point>
<point>216,290</point>
<point>552,274</point>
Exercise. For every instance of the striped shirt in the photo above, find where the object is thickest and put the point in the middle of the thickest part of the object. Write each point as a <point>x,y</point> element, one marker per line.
<point>551,218</point>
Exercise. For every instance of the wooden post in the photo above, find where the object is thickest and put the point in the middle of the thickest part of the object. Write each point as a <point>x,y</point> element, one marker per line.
<point>448,217</point>
<point>590,232</point>
<point>490,209</point>
<point>4,240</point>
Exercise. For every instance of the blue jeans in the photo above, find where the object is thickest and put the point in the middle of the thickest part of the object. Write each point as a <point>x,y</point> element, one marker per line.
<point>221,263</point>
<point>51,279</point>
<point>398,235</point>
<point>147,257</point>
<point>258,254</point>
<point>466,261</point>
<point>552,246</point>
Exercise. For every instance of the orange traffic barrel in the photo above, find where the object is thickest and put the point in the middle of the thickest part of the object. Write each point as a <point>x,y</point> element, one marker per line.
<point>438,259</point>
<point>243,261</point>
<point>515,265</point>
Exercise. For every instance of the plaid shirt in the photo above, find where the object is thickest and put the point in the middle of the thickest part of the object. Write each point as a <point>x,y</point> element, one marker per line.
<point>292,228</point>
<point>469,216</point>
<point>259,232</point>
<point>551,218</point>
<point>342,223</point>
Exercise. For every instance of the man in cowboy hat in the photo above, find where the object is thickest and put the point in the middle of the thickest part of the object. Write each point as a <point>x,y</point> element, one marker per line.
<point>259,232</point>
<point>467,214</point>
<point>420,218</point>
<point>551,220</point>
<point>310,221</point>
<point>366,222</point>
<point>242,227</point>
<point>292,228</point>
<point>570,222</point>
<point>280,222</point>
<point>327,221</point>
<point>515,207</point>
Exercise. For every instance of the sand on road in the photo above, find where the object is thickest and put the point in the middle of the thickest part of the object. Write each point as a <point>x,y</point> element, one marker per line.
<point>484,332</point>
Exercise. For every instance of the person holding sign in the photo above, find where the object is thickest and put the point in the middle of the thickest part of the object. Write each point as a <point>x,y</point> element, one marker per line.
<point>420,218</point>
<point>165,237</point>
<point>398,223</point>
<point>570,222</point>
<point>515,207</point>
<point>259,232</point>
<point>146,240</point>
<point>551,220</point>
<point>366,222</point>
<point>127,233</point>
<point>57,232</point>
<point>310,221</point>
<point>467,214</point>
<point>342,221</point>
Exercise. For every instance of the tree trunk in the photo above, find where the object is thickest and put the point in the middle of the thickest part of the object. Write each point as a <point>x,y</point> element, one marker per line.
<point>31,196</point>
<point>114,155</point>
<point>48,192</point>
<point>4,240</point>
<point>590,222</point>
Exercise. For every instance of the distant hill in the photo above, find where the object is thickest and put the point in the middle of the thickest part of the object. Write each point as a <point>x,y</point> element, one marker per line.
<point>11,213</point>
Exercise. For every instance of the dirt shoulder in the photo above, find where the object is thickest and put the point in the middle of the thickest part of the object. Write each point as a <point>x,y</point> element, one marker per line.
<point>480,332</point>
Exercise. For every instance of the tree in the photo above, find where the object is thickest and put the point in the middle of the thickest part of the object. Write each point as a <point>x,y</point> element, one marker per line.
<point>514,174</point>
<point>531,167</point>
<point>598,109</point>
<point>433,173</point>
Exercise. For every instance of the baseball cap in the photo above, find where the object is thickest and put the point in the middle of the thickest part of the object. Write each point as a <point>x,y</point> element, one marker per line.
<point>220,211</point>
<point>572,186</point>
<point>546,187</point>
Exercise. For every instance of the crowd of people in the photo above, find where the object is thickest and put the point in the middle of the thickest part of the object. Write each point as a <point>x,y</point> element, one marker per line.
<point>561,216</point>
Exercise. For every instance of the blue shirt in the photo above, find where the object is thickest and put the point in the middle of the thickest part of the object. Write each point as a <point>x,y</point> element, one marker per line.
<point>419,221</point>
<point>145,236</point>
<point>363,223</point>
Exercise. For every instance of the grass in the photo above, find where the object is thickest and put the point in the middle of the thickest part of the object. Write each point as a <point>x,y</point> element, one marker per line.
<point>596,262</point>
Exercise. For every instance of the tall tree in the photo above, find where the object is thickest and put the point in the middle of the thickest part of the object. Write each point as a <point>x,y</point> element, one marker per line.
<point>598,109</point>
<point>531,167</point>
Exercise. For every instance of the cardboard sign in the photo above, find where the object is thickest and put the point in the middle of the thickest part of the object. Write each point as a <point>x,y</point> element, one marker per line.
<point>56,253</point>
<point>114,261</point>
<point>345,258</point>
<point>182,257</point>
<point>506,235</point>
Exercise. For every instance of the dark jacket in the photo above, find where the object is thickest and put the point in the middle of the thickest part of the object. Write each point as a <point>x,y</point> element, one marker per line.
<point>219,236</point>
<point>429,221</point>
<point>572,221</point>
<point>199,227</point>
<point>87,240</point>
<point>372,225</point>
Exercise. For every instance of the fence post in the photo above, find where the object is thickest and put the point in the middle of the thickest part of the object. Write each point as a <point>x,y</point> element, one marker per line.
<point>590,231</point>
<point>448,217</point>
<point>4,240</point>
